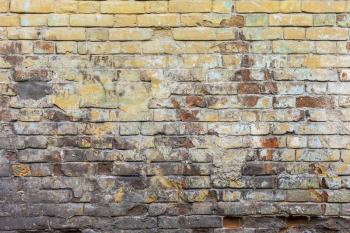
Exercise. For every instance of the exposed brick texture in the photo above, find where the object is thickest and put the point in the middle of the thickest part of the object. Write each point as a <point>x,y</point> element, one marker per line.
<point>169,116</point>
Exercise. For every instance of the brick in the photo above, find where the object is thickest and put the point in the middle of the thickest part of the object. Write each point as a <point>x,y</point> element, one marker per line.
<point>327,34</point>
<point>124,34</point>
<point>202,34</point>
<point>44,47</point>
<point>222,6</point>
<point>9,20</point>
<point>184,6</point>
<point>65,34</point>
<point>323,6</point>
<point>30,20</point>
<point>294,33</point>
<point>88,7</point>
<point>22,34</point>
<point>159,20</point>
<point>290,20</point>
<point>156,7</point>
<point>125,20</point>
<point>123,7</point>
<point>290,6</point>
<point>91,20</point>
<point>58,20</point>
<point>257,6</point>
<point>256,20</point>
<point>263,33</point>
<point>65,6</point>
<point>339,88</point>
<point>293,46</point>
<point>4,5</point>
<point>325,20</point>
<point>313,102</point>
<point>31,6</point>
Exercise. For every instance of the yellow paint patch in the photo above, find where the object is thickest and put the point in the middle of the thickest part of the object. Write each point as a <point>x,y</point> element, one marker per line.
<point>118,196</point>
<point>21,170</point>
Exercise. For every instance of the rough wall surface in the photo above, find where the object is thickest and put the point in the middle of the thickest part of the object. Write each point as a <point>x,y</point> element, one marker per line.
<point>174,116</point>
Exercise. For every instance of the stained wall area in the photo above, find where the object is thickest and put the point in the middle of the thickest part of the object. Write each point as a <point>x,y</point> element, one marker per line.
<point>189,116</point>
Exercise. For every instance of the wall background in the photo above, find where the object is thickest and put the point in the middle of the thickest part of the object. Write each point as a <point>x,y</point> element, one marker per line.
<point>174,116</point>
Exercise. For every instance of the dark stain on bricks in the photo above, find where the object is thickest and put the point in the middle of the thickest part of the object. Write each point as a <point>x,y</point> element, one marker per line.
<point>270,88</point>
<point>196,101</point>
<point>175,104</point>
<point>104,168</point>
<point>175,142</point>
<point>233,47</point>
<point>11,48</point>
<point>249,88</point>
<point>313,102</point>
<point>137,210</point>
<point>188,115</point>
<point>296,221</point>
<point>249,101</point>
<point>269,74</point>
<point>57,115</point>
<point>33,75</point>
<point>33,89</point>
<point>232,222</point>
<point>271,142</point>
<point>234,21</point>
<point>242,75</point>
<point>247,61</point>
<point>348,47</point>
<point>14,60</point>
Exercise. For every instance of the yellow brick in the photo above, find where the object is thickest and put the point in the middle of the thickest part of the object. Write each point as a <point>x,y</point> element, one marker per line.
<point>91,20</point>
<point>324,33</point>
<point>65,34</point>
<point>58,20</point>
<point>292,46</point>
<point>103,47</point>
<point>158,20</point>
<point>88,7</point>
<point>190,6</point>
<point>94,34</point>
<point>32,6</point>
<point>257,6</point>
<point>208,20</point>
<point>123,7</point>
<point>4,5</point>
<point>9,20</point>
<point>203,33</point>
<point>326,47</point>
<point>125,20</point>
<point>22,34</point>
<point>33,20</point>
<point>294,33</point>
<point>66,47</point>
<point>130,47</point>
<point>222,6</point>
<point>156,7</point>
<point>263,33</point>
<point>130,34</point>
<point>323,6</point>
<point>26,46</point>
<point>194,33</point>
<point>290,20</point>
<point>65,6</point>
<point>290,6</point>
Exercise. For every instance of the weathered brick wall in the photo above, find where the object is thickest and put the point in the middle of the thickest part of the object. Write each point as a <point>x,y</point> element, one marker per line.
<point>174,116</point>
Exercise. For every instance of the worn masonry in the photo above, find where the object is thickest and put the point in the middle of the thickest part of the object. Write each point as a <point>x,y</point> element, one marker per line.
<point>186,116</point>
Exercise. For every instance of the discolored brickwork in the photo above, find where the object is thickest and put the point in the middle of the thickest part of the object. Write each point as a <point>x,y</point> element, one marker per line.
<point>187,116</point>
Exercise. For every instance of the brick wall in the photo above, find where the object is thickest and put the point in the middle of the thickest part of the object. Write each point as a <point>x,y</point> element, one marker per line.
<point>174,116</point>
